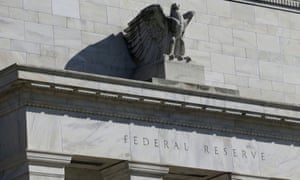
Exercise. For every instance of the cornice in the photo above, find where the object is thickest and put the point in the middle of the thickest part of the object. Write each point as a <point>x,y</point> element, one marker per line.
<point>292,6</point>
<point>49,80</point>
<point>155,120</point>
<point>202,91</point>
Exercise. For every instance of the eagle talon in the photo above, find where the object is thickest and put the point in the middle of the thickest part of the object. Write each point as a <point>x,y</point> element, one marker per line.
<point>171,57</point>
<point>179,58</point>
<point>187,59</point>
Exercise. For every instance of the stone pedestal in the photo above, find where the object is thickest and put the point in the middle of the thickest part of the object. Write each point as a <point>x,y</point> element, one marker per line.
<point>171,70</point>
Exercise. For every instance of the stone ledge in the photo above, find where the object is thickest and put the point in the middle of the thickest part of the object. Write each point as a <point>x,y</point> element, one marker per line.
<point>171,70</point>
<point>56,159</point>
<point>129,90</point>
<point>195,87</point>
<point>148,169</point>
<point>282,5</point>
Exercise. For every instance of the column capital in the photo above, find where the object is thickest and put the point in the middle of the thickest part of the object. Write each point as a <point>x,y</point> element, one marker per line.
<point>35,164</point>
<point>48,158</point>
<point>130,169</point>
<point>43,165</point>
<point>138,168</point>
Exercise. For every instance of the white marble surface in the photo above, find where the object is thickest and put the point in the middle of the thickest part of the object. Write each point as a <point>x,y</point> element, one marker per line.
<point>69,8</point>
<point>144,144</point>
<point>12,28</point>
<point>43,132</point>
<point>94,138</point>
<point>150,144</point>
<point>184,72</point>
<point>38,33</point>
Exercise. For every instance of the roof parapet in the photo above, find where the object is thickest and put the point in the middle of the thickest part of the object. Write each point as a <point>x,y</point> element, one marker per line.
<point>286,5</point>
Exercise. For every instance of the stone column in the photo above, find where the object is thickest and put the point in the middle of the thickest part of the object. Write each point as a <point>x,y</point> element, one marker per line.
<point>47,166</point>
<point>241,177</point>
<point>34,165</point>
<point>134,171</point>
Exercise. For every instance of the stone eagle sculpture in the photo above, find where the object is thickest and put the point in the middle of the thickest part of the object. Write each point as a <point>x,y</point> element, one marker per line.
<point>152,36</point>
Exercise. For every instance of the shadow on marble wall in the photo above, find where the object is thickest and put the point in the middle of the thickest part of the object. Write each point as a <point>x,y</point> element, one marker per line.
<point>107,57</point>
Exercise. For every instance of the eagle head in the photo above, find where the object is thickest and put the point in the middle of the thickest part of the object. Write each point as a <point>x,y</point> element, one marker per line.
<point>175,6</point>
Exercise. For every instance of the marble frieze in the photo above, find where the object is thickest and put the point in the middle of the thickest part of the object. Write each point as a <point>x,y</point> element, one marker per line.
<point>149,144</point>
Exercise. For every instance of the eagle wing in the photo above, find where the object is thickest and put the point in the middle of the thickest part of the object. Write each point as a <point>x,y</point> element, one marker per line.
<point>147,35</point>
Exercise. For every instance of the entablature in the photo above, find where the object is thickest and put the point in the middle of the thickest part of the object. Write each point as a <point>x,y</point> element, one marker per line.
<point>204,98</point>
<point>96,116</point>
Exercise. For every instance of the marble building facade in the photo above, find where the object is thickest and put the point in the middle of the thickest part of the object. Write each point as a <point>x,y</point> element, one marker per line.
<point>238,118</point>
